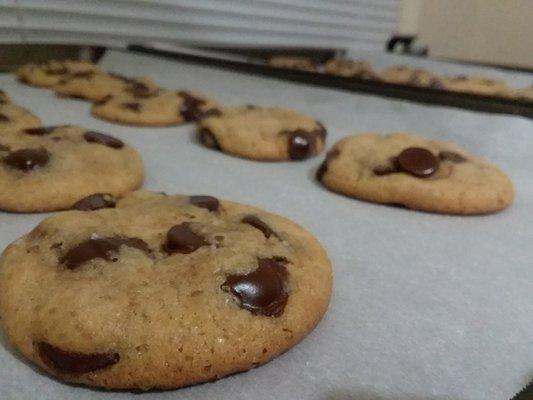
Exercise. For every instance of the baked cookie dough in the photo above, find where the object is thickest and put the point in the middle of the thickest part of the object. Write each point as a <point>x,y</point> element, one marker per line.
<point>52,168</point>
<point>49,73</point>
<point>154,109</point>
<point>96,86</point>
<point>350,69</point>
<point>415,172</point>
<point>161,291</point>
<point>14,118</point>
<point>476,85</point>
<point>403,75</point>
<point>525,94</point>
<point>263,133</point>
<point>293,62</point>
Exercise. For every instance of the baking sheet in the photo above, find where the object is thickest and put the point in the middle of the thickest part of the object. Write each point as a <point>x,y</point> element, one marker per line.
<point>424,306</point>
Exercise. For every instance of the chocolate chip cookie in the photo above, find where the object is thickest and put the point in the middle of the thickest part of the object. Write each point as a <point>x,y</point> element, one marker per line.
<point>479,85</point>
<point>262,133</point>
<point>14,118</point>
<point>293,62</point>
<point>161,292</point>
<point>53,168</point>
<point>96,86</point>
<point>350,69</point>
<point>403,75</point>
<point>415,172</point>
<point>49,73</point>
<point>154,109</point>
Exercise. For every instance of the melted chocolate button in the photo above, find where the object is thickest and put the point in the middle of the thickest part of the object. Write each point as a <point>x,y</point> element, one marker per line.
<point>135,107</point>
<point>209,202</point>
<point>263,290</point>
<point>27,159</point>
<point>4,118</point>
<point>181,239</point>
<point>451,156</point>
<point>190,108</point>
<point>207,138</point>
<point>73,362</point>
<point>41,131</point>
<point>100,138</point>
<point>95,202</point>
<point>258,224</point>
<point>301,144</point>
<point>418,161</point>
<point>100,248</point>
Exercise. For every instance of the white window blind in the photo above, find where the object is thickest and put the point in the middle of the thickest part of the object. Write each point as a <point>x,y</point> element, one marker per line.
<point>236,23</point>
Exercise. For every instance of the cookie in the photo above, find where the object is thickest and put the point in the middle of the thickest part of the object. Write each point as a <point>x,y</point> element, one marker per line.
<point>350,69</point>
<point>262,133</point>
<point>154,109</point>
<point>293,62</point>
<point>14,118</point>
<point>475,85</point>
<point>525,94</point>
<point>49,73</point>
<point>415,172</point>
<point>161,291</point>
<point>403,75</point>
<point>96,86</point>
<point>53,168</point>
<point>4,98</point>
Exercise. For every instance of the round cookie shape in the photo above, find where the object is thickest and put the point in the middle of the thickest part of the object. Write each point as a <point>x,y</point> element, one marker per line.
<point>54,168</point>
<point>350,69</point>
<point>262,133</point>
<point>293,62</point>
<point>403,75</point>
<point>96,298</point>
<point>14,118</point>
<point>160,108</point>
<point>479,85</point>
<point>417,173</point>
<point>49,73</point>
<point>95,86</point>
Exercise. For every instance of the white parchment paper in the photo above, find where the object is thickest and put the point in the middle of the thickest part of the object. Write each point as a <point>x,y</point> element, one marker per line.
<point>424,306</point>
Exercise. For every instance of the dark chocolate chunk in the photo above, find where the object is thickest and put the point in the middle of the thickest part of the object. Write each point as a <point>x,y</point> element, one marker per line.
<point>258,224</point>
<point>418,161</point>
<point>451,156</point>
<point>100,138</point>
<point>40,131</point>
<point>384,170</point>
<point>190,108</point>
<point>132,106</point>
<point>263,290</point>
<point>4,118</point>
<point>27,159</point>
<point>182,239</point>
<point>301,144</point>
<point>95,202</point>
<point>73,362</point>
<point>209,202</point>
<point>103,248</point>
<point>207,138</point>
<point>324,166</point>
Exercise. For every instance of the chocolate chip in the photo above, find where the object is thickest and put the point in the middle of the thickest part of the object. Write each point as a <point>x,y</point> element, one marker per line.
<point>95,202</point>
<point>190,108</point>
<point>100,138</point>
<point>258,224</point>
<point>324,166</point>
<point>261,291</point>
<point>301,144</point>
<point>40,131</point>
<point>436,83</point>
<point>418,161</point>
<point>103,100</point>
<point>451,156</point>
<point>181,239</point>
<point>384,170</point>
<point>250,107</point>
<point>4,118</point>
<point>207,138</point>
<point>27,159</point>
<point>100,248</point>
<point>73,362</point>
<point>135,107</point>
<point>208,202</point>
